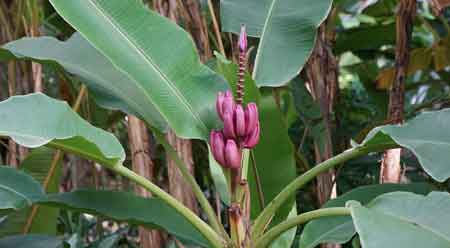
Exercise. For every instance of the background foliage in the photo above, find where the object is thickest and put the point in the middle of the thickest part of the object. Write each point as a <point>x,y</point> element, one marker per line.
<point>164,61</point>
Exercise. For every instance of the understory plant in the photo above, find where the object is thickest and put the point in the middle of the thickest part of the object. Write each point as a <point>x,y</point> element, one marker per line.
<point>133,60</point>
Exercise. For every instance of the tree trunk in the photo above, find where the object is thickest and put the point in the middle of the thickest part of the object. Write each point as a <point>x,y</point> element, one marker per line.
<point>142,164</point>
<point>390,166</point>
<point>178,187</point>
<point>321,74</point>
<point>196,25</point>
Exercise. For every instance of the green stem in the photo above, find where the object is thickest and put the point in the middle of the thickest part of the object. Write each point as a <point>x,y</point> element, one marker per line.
<point>279,229</point>
<point>202,200</point>
<point>266,215</point>
<point>245,161</point>
<point>199,224</point>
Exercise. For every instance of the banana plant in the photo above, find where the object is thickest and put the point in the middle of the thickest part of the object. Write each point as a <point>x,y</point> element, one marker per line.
<point>136,61</point>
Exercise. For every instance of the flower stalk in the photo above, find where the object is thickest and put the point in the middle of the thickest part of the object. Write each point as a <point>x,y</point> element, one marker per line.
<point>231,147</point>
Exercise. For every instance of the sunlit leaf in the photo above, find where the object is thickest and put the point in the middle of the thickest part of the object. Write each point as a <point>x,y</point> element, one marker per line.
<point>287,31</point>
<point>404,219</point>
<point>35,120</point>
<point>155,52</point>
<point>340,229</point>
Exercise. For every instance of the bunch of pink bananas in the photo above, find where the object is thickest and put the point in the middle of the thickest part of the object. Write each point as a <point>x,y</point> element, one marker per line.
<point>240,130</point>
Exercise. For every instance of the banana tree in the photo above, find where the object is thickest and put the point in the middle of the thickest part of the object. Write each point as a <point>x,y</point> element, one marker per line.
<point>138,62</point>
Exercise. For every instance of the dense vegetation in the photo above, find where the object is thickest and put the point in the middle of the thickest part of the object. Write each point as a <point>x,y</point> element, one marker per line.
<point>231,123</point>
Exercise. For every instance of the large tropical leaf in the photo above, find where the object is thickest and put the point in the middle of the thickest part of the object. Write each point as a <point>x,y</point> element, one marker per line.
<point>340,229</point>
<point>152,213</point>
<point>404,220</point>
<point>35,120</point>
<point>19,190</point>
<point>36,164</point>
<point>159,55</point>
<point>425,135</point>
<point>274,157</point>
<point>287,31</point>
<point>275,163</point>
<point>113,89</point>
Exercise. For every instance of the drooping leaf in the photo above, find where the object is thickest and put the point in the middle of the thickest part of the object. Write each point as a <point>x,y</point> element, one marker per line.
<point>340,229</point>
<point>275,163</point>
<point>287,31</point>
<point>403,219</point>
<point>35,120</point>
<point>425,135</point>
<point>123,206</point>
<point>113,89</point>
<point>156,53</point>
<point>37,165</point>
<point>17,189</point>
<point>31,240</point>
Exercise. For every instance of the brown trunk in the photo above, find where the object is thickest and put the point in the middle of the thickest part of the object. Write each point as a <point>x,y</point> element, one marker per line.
<point>321,74</point>
<point>390,166</point>
<point>196,25</point>
<point>178,187</point>
<point>142,164</point>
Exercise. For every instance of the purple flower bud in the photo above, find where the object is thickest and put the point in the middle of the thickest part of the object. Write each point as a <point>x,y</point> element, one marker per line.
<point>228,104</point>
<point>219,104</point>
<point>232,155</point>
<point>251,118</point>
<point>217,146</point>
<point>240,121</point>
<point>252,139</point>
<point>243,40</point>
<point>228,125</point>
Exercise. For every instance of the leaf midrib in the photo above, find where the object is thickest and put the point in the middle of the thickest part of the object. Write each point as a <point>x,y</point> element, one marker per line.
<point>149,61</point>
<point>69,64</point>
<point>263,34</point>
<point>16,193</point>
<point>421,225</point>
